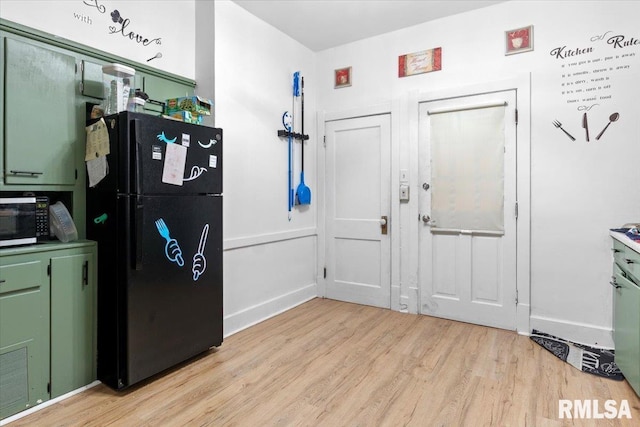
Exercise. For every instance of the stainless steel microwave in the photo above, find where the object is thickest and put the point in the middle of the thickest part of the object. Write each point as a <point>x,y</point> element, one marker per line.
<point>23,220</point>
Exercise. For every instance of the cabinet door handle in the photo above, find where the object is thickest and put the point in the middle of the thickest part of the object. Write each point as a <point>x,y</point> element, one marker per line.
<point>85,274</point>
<point>27,173</point>
<point>628,261</point>
<point>2,281</point>
<point>614,284</point>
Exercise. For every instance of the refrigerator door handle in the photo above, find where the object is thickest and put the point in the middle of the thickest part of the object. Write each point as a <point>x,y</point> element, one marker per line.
<point>138,233</point>
<point>138,160</point>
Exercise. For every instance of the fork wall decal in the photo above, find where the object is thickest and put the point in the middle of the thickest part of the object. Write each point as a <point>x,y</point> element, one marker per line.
<point>559,126</point>
<point>171,248</point>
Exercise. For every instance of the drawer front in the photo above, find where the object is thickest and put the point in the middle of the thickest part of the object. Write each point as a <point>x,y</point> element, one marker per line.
<point>627,259</point>
<point>15,277</point>
<point>632,262</point>
<point>626,334</point>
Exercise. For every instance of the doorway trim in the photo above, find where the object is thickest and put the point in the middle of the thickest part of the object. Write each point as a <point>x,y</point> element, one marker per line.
<point>522,85</point>
<point>391,108</point>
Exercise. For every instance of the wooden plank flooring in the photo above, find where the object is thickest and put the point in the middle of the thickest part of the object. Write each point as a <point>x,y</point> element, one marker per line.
<point>329,363</point>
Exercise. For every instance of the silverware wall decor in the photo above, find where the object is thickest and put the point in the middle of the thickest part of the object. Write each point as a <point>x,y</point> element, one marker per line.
<point>585,124</point>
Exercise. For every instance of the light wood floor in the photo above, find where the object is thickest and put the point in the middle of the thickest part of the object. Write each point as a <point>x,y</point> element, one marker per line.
<point>329,363</point>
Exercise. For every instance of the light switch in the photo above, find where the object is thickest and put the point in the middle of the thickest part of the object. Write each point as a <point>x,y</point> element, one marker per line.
<point>404,193</point>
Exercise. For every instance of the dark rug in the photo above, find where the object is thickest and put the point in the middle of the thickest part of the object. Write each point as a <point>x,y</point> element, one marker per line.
<point>596,361</point>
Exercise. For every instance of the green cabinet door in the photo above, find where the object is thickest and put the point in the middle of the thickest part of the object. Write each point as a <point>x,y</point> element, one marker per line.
<point>626,334</point>
<point>73,321</point>
<point>24,333</point>
<point>40,122</point>
<point>161,89</point>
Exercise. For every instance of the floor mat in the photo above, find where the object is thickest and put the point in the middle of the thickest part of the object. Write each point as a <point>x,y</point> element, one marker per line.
<point>595,361</point>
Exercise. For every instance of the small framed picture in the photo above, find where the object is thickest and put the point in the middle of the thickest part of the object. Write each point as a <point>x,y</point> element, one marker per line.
<point>342,77</point>
<point>519,40</point>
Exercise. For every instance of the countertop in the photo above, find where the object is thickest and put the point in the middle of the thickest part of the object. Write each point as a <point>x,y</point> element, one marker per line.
<point>633,244</point>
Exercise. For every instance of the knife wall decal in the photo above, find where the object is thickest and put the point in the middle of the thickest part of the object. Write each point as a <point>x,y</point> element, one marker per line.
<point>585,125</point>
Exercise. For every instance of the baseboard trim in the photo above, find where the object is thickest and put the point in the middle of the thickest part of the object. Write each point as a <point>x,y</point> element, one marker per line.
<point>523,319</point>
<point>262,239</point>
<point>46,404</point>
<point>250,316</point>
<point>582,333</point>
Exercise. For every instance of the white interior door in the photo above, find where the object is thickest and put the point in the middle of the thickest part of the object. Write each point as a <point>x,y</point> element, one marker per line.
<point>467,161</point>
<point>357,210</point>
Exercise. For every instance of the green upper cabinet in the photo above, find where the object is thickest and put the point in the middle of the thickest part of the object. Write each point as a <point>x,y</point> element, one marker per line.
<point>40,120</point>
<point>92,84</point>
<point>160,89</point>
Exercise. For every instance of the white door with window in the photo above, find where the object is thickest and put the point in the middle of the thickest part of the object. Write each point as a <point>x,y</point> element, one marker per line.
<point>358,188</point>
<point>467,205</point>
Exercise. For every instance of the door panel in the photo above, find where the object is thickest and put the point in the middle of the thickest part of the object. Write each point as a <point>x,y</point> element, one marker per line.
<point>174,293</point>
<point>39,105</point>
<point>467,237</point>
<point>358,192</point>
<point>72,323</point>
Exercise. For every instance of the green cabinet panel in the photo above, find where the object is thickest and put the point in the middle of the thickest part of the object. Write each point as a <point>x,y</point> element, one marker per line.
<point>73,323</point>
<point>24,333</point>
<point>626,313</point>
<point>627,330</point>
<point>47,322</point>
<point>159,89</point>
<point>92,84</point>
<point>40,121</point>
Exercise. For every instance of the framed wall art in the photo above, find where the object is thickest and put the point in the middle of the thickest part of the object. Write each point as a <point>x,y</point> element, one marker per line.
<point>420,62</point>
<point>342,77</point>
<point>519,40</point>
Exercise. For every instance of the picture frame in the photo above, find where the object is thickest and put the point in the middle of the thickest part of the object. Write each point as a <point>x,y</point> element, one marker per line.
<point>342,77</point>
<point>518,40</point>
<point>425,61</point>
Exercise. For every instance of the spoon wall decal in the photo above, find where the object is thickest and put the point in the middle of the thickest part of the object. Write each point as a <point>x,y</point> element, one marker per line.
<point>612,118</point>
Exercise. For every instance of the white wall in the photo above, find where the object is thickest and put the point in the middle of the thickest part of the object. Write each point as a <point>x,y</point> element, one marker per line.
<point>270,261</point>
<point>166,27</point>
<point>578,190</point>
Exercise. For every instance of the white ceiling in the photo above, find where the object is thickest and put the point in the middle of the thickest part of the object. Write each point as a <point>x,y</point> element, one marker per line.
<point>322,24</point>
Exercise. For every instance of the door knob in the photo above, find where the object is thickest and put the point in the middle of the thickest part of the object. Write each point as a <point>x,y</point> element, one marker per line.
<point>425,186</point>
<point>426,219</point>
<point>383,224</point>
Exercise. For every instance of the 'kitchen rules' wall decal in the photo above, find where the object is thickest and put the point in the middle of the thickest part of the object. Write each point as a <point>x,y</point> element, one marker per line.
<point>591,89</point>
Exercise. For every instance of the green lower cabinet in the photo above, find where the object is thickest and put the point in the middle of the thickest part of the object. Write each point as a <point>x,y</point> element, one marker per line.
<point>73,322</point>
<point>47,322</point>
<point>24,333</point>
<point>627,330</point>
<point>626,313</point>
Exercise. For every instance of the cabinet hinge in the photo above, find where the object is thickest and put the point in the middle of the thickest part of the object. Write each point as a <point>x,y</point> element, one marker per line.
<point>324,141</point>
<point>81,87</point>
<point>516,116</point>
<point>516,297</point>
<point>76,174</point>
<point>49,270</point>
<point>49,388</point>
<point>325,272</point>
<point>516,210</point>
<point>76,71</point>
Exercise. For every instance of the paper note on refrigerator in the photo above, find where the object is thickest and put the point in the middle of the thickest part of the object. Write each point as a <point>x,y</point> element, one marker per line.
<point>97,140</point>
<point>175,158</point>
<point>97,169</point>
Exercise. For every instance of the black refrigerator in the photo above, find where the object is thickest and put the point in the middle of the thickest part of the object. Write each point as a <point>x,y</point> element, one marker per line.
<point>157,218</point>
